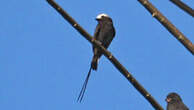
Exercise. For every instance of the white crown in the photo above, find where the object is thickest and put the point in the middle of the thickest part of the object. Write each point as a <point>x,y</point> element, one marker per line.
<point>101,15</point>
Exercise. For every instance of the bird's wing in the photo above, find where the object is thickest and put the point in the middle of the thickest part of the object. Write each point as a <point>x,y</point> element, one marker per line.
<point>186,108</point>
<point>109,35</point>
<point>182,106</point>
<point>97,30</point>
<point>96,34</point>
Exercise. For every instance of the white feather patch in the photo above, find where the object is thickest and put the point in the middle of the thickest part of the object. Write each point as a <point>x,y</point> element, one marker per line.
<point>101,15</point>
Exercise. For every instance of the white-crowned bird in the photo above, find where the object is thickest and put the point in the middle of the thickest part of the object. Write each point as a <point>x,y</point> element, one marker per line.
<point>104,33</point>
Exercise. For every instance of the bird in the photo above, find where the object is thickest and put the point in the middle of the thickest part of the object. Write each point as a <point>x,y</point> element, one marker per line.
<point>104,34</point>
<point>174,102</point>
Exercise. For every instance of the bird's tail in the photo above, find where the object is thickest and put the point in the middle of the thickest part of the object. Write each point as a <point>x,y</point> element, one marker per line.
<point>94,63</point>
<point>81,94</point>
<point>93,66</point>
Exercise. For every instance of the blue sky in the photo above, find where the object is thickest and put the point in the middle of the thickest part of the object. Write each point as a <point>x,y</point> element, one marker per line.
<point>44,61</point>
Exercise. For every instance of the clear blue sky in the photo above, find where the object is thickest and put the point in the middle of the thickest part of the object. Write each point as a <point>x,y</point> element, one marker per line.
<point>44,61</point>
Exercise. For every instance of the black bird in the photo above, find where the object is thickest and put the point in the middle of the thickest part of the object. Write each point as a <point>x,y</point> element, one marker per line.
<point>104,33</point>
<point>174,102</point>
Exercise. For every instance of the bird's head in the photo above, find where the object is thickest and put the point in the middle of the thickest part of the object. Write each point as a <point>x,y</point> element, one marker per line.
<point>173,97</point>
<point>103,17</point>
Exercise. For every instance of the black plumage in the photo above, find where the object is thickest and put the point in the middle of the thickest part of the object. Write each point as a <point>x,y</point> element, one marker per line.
<point>174,102</point>
<point>104,33</point>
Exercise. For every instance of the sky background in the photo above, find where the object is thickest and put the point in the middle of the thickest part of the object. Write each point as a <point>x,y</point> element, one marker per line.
<point>44,61</point>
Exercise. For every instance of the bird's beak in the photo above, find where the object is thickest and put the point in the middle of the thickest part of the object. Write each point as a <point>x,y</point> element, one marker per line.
<point>168,100</point>
<point>97,19</point>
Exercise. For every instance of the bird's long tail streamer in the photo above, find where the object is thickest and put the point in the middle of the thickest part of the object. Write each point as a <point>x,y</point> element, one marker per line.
<point>81,94</point>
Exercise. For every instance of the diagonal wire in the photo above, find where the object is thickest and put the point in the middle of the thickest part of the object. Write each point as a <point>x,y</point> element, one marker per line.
<point>168,25</point>
<point>184,7</point>
<point>111,58</point>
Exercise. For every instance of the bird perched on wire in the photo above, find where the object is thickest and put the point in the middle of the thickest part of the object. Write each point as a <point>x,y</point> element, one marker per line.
<point>104,33</point>
<point>174,102</point>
